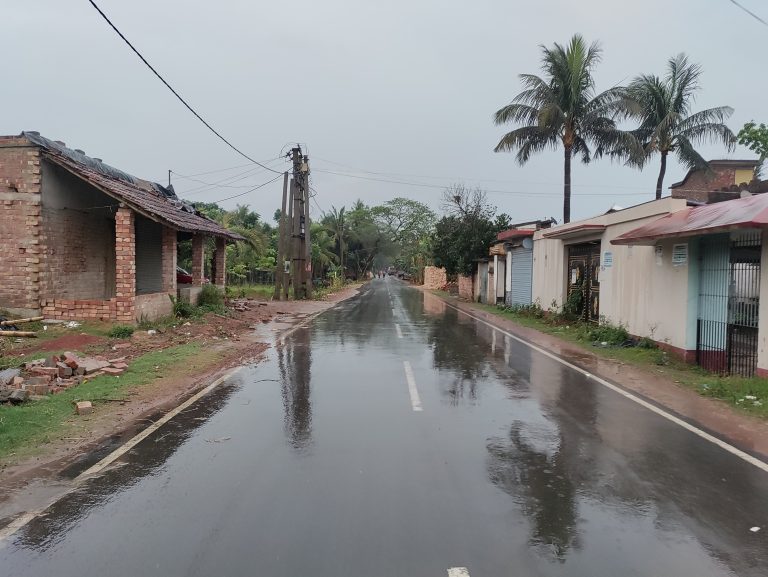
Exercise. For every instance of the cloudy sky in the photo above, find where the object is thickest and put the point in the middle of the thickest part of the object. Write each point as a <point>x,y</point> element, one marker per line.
<point>402,90</point>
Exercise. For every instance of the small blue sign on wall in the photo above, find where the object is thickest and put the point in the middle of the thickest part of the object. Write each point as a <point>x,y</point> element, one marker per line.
<point>607,259</point>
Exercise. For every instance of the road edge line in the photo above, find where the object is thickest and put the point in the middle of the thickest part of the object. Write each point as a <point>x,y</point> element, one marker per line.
<point>18,523</point>
<point>760,464</point>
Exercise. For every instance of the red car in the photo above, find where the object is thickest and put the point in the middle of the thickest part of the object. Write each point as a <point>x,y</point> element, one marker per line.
<point>183,277</point>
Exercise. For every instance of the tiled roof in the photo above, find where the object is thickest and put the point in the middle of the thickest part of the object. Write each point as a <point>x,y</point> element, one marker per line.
<point>144,199</point>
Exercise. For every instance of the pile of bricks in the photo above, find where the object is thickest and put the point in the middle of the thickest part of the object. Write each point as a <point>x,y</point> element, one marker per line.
<point>434,277</point>
<point>55,374</point>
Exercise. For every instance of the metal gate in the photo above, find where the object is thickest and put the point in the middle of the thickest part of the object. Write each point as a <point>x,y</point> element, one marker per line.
<point>729,299</point>
<point>584,279</point>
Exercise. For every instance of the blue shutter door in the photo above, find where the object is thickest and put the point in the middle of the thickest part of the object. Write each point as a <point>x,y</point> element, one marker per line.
<point>522,276</point>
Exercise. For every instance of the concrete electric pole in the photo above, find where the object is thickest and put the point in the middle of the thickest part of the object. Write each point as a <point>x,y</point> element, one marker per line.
<point>294,243</point>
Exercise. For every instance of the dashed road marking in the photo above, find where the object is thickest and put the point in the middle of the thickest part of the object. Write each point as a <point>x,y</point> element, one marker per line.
<point>458,572</point>
<point>642,402</point>
<point>399,331</point>
<point>412,390</point>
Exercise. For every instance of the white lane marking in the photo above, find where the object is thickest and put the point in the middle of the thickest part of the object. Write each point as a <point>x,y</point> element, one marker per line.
<point>458,572</point>
<point>399,331</point>
<point>661,412</point>
<point>412,390</point>
<point>21,521</point>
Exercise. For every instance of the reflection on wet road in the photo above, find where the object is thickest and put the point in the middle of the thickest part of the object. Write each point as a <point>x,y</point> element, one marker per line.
<point>317,463</point>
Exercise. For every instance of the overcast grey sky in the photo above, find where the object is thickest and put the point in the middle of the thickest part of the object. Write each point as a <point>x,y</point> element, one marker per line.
<point>404,87</point>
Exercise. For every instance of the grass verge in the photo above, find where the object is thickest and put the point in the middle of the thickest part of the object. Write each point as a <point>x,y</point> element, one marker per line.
<point>747,394</point>
<point>27,428</point>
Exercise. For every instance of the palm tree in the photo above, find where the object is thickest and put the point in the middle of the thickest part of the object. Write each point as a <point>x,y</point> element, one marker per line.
<point>335,223</point>
<point>562,108</point>
<point>322,249</point>
<point>663,108</point>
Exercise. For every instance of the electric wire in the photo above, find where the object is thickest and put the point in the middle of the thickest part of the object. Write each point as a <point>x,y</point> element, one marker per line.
<point>748,11</point>
<point>176,94</point>
<point>222,169</point>
<point>465,178</point>
<point>251,190</point>
<point>495,191</point>
<point>224,183</point>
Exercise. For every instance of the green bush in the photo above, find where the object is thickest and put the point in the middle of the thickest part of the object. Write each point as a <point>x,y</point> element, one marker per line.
<point>182,309</point>
<point>608,333</point>
<point>121,331</point>
<point>210,296</point>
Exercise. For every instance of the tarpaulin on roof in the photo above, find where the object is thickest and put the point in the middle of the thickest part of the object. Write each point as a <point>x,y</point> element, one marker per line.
<point>151,199</point>
<point>750,212</point>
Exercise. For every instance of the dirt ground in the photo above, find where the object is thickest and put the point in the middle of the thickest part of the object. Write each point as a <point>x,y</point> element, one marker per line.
<point>227,342</point>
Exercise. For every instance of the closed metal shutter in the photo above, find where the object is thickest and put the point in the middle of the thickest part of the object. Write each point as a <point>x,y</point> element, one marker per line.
<point>522,276</point>
<point>149,256</point>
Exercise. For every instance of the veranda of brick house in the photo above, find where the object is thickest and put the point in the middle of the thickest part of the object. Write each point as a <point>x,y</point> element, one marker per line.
<point>70,251</point>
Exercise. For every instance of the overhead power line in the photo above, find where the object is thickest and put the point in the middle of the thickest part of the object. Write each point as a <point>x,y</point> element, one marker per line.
<point>251,190</point>
<point>176,94</point>
<point>495,191</point>
<point>748,11</point>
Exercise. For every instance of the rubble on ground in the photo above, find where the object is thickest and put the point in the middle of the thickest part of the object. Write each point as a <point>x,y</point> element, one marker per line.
<point>55,374</point>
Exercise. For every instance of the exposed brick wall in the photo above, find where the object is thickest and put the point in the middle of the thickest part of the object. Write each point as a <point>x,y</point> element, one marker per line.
<point>220,262</point>
<point>699,183</point>
<point>434,277</point>
<point>125,270</point>
<point>169,260</point>
<point>65,309</point>
<point>19,225</point>
<point>198,259</point>
<point>78,255</point>
<point>465,287</point>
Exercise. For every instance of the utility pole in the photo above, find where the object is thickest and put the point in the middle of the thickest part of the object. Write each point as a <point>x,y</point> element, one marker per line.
<point>307,235</point>
<point>294,249</point>
<point>281,282</point>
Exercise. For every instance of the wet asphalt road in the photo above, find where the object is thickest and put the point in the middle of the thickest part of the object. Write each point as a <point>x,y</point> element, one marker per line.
<point>315,463</point>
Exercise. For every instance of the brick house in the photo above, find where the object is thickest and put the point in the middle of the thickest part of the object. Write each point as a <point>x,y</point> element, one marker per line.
<point>723,176</point>
<point>80,239</point>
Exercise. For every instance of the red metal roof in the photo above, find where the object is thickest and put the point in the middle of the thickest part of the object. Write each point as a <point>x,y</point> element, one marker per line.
<point>144,199</point>
<point>514,233</point>
<point>750,212</point>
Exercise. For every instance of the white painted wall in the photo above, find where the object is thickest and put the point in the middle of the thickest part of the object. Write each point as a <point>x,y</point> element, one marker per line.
<point>650,299</point>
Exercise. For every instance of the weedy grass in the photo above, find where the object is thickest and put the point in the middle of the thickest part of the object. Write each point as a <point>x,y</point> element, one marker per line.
<point>27,428</point>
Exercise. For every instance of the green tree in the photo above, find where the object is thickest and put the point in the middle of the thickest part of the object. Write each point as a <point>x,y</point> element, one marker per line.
<point>755,137</point>
<point>563,108</point>
<point>465,233</point>
<point>663,108</point>
<point>407,227</point>
<point>322,247</point>
<point>335,223</point>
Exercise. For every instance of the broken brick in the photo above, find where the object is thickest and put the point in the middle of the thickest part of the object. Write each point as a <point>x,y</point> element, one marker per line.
<point>112,371</point>
<point>83,407</point>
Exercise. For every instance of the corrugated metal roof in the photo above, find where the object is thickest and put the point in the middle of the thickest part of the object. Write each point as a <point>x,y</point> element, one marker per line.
<point>750,212</point>
<point>515,233</point>
<point>143,198</point>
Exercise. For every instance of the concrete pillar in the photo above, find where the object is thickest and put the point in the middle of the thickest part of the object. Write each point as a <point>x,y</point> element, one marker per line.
<point>220,262</point>
<point>508,283</point>
<point>169,256</point>
<point>125,265</point>
<point>198,259</point>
